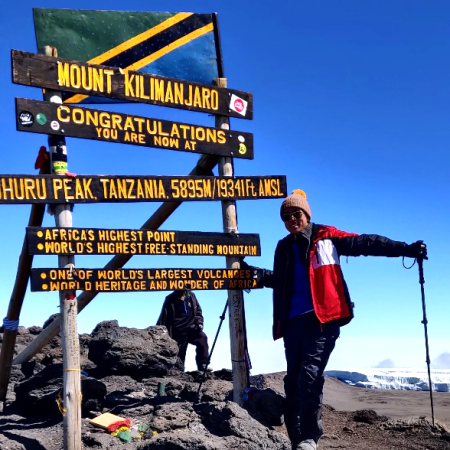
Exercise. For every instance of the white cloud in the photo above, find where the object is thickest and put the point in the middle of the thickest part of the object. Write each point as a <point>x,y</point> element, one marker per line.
<point>442,361</point>
<point>385,364</point>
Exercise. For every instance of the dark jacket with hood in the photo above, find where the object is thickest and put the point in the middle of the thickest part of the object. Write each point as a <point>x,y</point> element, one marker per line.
<point>167,315</point>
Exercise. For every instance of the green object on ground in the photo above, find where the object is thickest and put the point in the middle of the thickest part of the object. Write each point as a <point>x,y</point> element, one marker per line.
<point>124,436</point>
<point>143,427</point>
<point>161,389</point>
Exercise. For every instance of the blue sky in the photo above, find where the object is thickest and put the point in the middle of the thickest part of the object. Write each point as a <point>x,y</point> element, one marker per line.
<point>350,103</point>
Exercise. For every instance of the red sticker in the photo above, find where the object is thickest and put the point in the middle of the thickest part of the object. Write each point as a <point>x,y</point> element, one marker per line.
<point>239,105</point>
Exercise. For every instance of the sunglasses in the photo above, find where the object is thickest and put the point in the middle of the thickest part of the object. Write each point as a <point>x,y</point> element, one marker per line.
<point>286,217</point>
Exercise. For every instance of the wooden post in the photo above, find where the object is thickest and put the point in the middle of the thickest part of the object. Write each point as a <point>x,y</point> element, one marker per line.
<point>205,165</point>
<point>235,297</point>
<point>67,299</point>
<point>18,294</point>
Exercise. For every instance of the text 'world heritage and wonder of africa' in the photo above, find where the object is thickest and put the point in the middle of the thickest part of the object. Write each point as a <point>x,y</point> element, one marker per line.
<point>123,280</point>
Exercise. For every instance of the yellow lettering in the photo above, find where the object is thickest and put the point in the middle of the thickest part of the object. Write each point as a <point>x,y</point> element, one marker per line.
<point>221,137</point>
<point>97,82</point>
<point>92,117</point>
<point>205,97</point>
<point>78,115</point>
<point>86,83</point>
<point>214,99</point>
<point>128,79</point>
<point>169,92</point>
<point>109,74</point>
<point>159,90</point>
<point>75,76</point>
<point>179,93</point>
<point>116,121</point>
<point>59,113</point>
<point>129,124</point>
<point>105,120</point>
<point>63,74</point>
<point>197,97</point>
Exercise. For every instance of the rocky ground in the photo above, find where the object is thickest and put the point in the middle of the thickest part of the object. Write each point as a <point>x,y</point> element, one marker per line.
<point>133,374</point>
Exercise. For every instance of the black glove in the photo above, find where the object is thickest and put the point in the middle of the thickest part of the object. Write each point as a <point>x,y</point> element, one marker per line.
<point>245,266</point>
<point>417,250</point>
<point>257,273</point>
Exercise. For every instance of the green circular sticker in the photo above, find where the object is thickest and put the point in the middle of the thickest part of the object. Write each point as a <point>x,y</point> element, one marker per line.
<point>41,119</point>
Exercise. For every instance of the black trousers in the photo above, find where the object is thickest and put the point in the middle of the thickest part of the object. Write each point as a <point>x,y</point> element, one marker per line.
<point>308,346</point>
<point>196,337</point>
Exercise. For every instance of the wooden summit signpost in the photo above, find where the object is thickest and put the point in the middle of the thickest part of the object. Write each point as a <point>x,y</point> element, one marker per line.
<point>95,241</point>
<point>126,280</point>
<point>122,80</point>
<point>64,120</point>
<point>113,82</point>
<point>17,189</point>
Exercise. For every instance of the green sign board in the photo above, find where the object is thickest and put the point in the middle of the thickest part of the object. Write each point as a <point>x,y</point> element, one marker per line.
<point>180,45</point>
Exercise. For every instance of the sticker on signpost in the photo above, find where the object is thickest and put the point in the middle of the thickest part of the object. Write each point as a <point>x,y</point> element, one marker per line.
<point>26,119</point>
<point>41,119</point>
<point>238,105</point>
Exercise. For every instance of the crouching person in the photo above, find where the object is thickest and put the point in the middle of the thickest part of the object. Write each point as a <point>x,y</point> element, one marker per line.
<point>182,316</point>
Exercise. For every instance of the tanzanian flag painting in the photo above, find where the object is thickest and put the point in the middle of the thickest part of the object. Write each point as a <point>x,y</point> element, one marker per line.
<point>178,45</point>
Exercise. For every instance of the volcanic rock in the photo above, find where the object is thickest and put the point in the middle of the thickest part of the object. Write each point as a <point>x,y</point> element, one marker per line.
<point>130,351</point>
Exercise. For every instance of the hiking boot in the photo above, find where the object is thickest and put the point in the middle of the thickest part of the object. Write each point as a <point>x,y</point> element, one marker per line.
<point>202,368</point>
<point>307,444</point>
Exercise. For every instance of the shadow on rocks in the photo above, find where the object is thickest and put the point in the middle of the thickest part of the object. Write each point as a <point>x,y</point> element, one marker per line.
<point>266,406</point>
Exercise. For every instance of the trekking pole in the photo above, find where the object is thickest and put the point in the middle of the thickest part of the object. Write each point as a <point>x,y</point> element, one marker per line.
<point>202,379</point>
<point>425,322</point>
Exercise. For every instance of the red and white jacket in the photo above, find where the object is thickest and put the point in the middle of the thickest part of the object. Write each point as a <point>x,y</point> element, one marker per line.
<point>329,291</point>
<point>330,296</point>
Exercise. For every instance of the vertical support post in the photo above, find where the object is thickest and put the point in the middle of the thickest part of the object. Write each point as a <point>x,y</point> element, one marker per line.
<point>67,299</point>
<point>235,297</point>
<point>11,321</point>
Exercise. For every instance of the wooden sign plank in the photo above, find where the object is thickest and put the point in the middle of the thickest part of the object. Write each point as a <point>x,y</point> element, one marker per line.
<point>126,280</point>
<point>67,120</point>
<point>112,82</point>
<point>100,241</point>
<point>25,189</point>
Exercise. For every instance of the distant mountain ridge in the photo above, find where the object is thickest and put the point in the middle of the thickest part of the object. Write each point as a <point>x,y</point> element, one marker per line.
<point>396,378</point>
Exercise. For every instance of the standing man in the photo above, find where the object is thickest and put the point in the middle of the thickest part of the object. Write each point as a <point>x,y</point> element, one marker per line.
<point>310,304</point>
<point>182,316</point>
